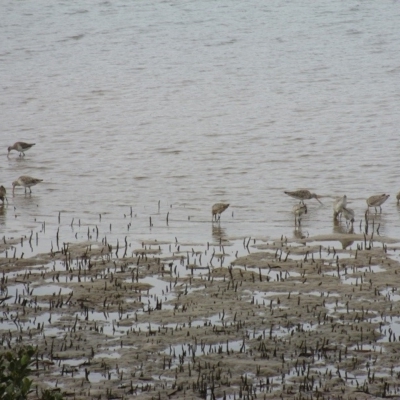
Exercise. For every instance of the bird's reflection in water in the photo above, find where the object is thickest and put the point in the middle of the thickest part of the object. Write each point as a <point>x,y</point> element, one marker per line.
<point>298,233</point>
<point>218,233</point>
<point>338,227</point>
<point>2,214</point>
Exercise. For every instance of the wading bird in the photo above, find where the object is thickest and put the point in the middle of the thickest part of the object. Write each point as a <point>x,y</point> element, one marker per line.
<point>377,201</point>
<point>338,206</point>
<point>22,147</point>
<point>218,209</point>
<point>26,182</point>
<point>303,195</point>
<point>3,192</point>
<point>298,210</point>
<point>348,213</point>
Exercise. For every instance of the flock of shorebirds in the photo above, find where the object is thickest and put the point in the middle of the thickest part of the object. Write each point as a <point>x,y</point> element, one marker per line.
<point>24,180</point>
<point>339,205</point>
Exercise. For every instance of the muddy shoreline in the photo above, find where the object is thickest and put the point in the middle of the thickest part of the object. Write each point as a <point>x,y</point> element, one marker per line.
<point>283,318</point>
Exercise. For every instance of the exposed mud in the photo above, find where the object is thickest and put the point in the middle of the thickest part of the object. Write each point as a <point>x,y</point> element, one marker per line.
<point>242,318</point>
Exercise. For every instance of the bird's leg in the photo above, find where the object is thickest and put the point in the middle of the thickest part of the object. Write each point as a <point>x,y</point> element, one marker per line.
<point>25,190</point>
<point>30,190</point>
<point>380,207</point>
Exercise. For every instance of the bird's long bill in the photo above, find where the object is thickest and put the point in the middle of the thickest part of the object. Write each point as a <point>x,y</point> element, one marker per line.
<point>319,200</point>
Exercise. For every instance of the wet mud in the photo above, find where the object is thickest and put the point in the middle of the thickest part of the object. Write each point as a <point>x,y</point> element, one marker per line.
<point>242,318</point>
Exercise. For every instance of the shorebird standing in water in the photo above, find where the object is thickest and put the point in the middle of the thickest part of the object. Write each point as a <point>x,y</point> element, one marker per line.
<point>218,209</point>
<point>298,210</point>
<point>3,192</point>
<point>303,195</point>
<point>22,147</point>
<point>377,201</point>
<point>338,206</point>
<point>348,213</point>
<point>26,182</point>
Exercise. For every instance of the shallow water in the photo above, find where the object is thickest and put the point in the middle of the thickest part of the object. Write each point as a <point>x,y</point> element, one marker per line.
<point>189,104</point>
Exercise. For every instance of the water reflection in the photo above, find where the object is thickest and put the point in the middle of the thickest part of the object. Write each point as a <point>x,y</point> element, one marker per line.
<point>26,200</point>
<point>2,214</point>
<point>298,233</point>
<point>338,227</point>
<point>344,229</point>
<point>375,223</point>
<point>218,233</point>
<point>347,242</point>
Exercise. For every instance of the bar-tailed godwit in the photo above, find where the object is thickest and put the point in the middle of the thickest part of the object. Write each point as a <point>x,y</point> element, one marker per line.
<point>338,206</point>
<point>21,147</point>
<point>3,192</point>
<point>348,213</point>
<point>303,194</point>
<point>26,182</point>
<point>298,210</point>
<point>218,209</point>
<point>377,201</point>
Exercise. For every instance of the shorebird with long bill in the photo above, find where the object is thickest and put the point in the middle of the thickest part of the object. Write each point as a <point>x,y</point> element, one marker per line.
<point>338,206</point>
<point>377,201</point>
<point>21,147</point>
<point>218,209</point>
<point>303,194</point>
<point>348,213</point>
<point>26,182</point>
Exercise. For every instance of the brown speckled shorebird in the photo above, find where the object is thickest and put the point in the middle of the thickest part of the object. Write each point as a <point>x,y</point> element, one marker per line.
<point>377,201</point>
<point>218,209</point>
<point>303,194</point>
<point>3,192</point>
<point>298,210</point>
<point>26,182</point>
<point>21,147</point>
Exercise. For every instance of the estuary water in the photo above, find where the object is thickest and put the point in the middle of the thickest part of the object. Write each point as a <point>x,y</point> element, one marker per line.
<point>143,110</point>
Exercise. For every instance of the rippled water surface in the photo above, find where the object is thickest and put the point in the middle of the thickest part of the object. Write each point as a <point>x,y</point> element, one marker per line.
<point>169,107</point>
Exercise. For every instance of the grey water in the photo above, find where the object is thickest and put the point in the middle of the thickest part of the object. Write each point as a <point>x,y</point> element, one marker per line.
<point>169,107</point>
